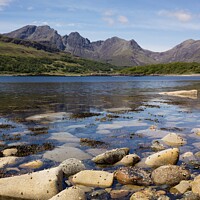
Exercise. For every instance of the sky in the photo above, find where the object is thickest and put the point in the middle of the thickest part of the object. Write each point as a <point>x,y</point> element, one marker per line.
<point>156,25</point>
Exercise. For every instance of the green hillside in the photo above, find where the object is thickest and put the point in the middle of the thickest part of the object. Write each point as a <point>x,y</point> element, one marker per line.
<point>20,59</point>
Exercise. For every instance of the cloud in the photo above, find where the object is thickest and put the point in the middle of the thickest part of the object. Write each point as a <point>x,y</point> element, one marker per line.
<point>4,3</point>
<point>108,13</point>
<point>30,8</point>
<point>123,19</point>
<point>180,15</point>
<point>109,20</point>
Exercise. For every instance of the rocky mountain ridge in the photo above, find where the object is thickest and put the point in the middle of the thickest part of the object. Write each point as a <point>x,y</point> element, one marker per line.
<point>114,50</point>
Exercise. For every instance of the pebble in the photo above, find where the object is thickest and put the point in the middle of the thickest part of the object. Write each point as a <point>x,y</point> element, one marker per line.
<point>168,156</point>
<point>111,157</point>
<point>9,152</point>
<point>169,175</point>
<point>129,160</point>
<point>172,139</point>
<point>32,165</point>
<point>72,166</point>
<point>118,194</point>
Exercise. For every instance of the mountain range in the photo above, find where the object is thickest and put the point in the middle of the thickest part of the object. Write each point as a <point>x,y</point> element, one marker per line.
<point>114,50</point>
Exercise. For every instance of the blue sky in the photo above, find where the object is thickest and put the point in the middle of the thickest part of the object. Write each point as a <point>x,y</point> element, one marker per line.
<point>156,25</point>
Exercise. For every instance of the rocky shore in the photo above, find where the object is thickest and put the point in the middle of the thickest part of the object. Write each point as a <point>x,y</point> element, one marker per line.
<point>162,175</point>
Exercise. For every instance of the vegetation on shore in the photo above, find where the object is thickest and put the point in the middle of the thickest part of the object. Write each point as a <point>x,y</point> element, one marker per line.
<point>178,68</point>
<point>19,57</point>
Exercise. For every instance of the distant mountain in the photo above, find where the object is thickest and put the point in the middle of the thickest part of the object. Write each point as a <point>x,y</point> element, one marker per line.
<point>114,50</point>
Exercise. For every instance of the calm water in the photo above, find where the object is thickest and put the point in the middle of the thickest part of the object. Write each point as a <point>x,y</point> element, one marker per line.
<point>22,97</point>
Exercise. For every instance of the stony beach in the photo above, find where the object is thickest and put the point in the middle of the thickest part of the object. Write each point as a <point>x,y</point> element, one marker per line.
<point>147,152</point>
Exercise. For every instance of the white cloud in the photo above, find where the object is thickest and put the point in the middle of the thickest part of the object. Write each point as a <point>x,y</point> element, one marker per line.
<point>109,20</point>
<point>108,13</point>
<point>123,19</point>
<point>180,15</point>
<point>4,3</point>
<point>30,8</point>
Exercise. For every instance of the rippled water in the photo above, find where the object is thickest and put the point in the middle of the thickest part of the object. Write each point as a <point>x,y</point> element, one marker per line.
<point>23,97</point>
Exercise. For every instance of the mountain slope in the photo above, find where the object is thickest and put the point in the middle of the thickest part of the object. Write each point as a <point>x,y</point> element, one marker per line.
<point>113,50</point>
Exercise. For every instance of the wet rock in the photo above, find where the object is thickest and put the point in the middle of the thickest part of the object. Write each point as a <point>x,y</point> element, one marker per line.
<point>157,146</point>
<point>181,188</point>
<point>169,175</point>
<point>129,160</point>
<point>196,131</point>
<point>64,137</point>
<point>99,194</point>
<point>148,194</point>
<point>93,178</point>
<point>197,154</point>
<point>188,158</point>
<point>118,110</point>
<point>91,143</point>
<point>71,166</point>
<point>84,115</point>
<point>182,93</point>
<point>173,139</point>
<point>132,188</point>
<point>62,153</point>
<point>111,157</point>
<point>190,196</point>
<point>8,161</point>
<point>196,185</point>
<point>32,165</point>
<point>38,185</point>
<point>168,156</point>
<point>72,193</point>
<point>9,152</point>
<point>133,175</point>
<point>118,194</point>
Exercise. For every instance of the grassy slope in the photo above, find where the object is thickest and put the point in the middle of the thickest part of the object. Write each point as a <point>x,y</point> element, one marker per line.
<point>18,59</point>
<point>178,68</point>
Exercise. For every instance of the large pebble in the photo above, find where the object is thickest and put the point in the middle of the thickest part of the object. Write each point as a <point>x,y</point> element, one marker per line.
<point>93,178</point>
<point>173,139</point>
<point>38,185</point>
<point>169,175</point>
<point>72,166</point>
<point>133,175</point>
<point>32,165</point>
<point>9,152</point>
<point>111,157</point>
<point>129,160</point>
<point>7,161</point>
<point>72,193</point>
<point>196,185</point>
<point>165,157</point>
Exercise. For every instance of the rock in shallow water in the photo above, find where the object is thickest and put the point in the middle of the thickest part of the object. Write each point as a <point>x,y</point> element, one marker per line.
<point>93,178</point>
<point>133,175</point>
<point>172,139</point>
<point>9,152</point>
<point>169,175</point>
<point>32,165</point>
<point>111,157</point>
<point>71,166</point>
<point>165,157</point>
<point>8,161</point>
<point>72,193</point>
<point>38,185</point>
<point>129,160</point>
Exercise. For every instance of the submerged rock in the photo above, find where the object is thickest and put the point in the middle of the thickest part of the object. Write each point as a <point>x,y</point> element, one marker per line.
<point>72,193</point>
<point>133,175</point>
<point>173,139</point>
<point>38,185</point>
<point>9,152</point>
<point>93,178</point>
<point>165,157</point>
<point>32,165</point>
<point>111,157</point>
<point>7,161</point>
<point>71,166</point>
<point>182,93</point>
<point>157,146</point>
<point>169,175</point>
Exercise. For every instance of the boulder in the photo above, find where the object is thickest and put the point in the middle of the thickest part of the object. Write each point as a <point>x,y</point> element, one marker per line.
<point>182,93</point>
<point>72,193</point>
<point>133,175</point>
<point>111,157</point>
<point>37,185</point>
<point>8,161</point>
<point>32,165</point>
<point>72,166</point>
<point>165,157</point>
<point>169,175</point>
<point>129,160</point>
<point>173,139</point>
<point>9,152</point>
<point>196,185</point>
<point>93,178</point>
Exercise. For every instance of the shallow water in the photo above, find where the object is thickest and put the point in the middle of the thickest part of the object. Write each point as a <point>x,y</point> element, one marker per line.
<point>23,97</point>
